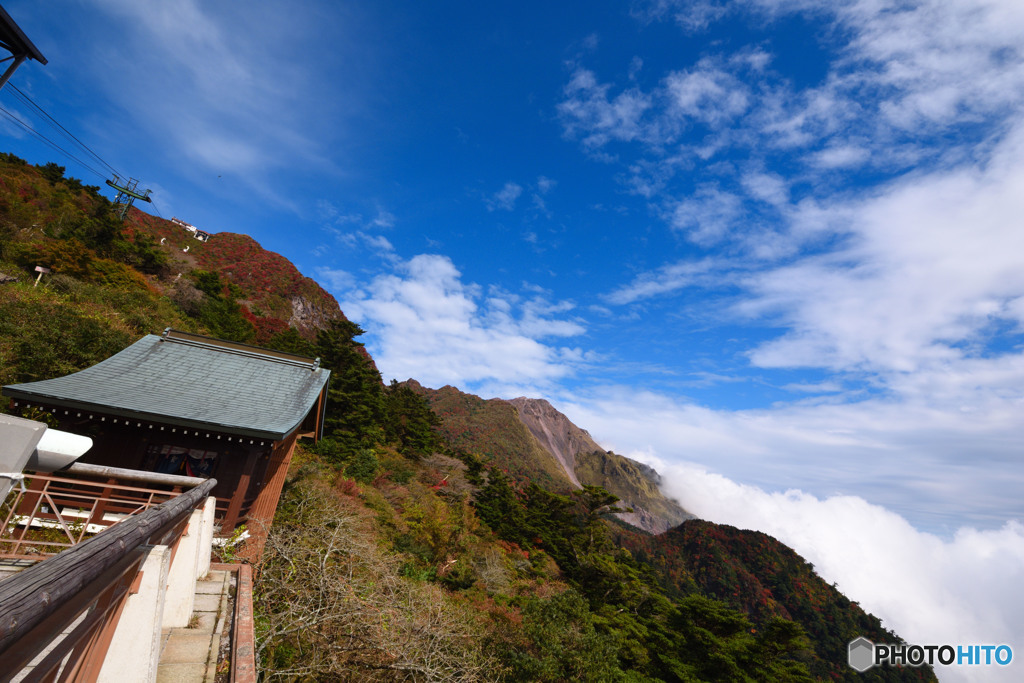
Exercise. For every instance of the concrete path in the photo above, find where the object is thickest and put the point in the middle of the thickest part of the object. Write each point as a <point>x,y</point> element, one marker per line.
<point>189,655</point>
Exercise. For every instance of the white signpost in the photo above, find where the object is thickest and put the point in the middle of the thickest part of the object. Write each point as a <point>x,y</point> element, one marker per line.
<point>41,270</point>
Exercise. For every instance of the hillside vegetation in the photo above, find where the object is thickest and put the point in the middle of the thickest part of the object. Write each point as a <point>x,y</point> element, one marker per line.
<point>419,540</point>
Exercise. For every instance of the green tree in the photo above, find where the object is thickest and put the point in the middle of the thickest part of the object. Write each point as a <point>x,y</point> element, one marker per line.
<point>218,311</point>
<point>355,399</point>
<point>290,341</point>
<point>563,644</point>
<point>410,421</point>
<point>52,172</point>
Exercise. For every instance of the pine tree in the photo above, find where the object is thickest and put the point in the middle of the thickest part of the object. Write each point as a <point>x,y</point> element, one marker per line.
<point>355,400</point>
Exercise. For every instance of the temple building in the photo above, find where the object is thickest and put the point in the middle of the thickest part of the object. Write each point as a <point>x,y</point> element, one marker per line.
<point>182,403</point>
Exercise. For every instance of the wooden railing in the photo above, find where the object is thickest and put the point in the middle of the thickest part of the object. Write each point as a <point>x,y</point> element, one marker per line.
<point>71,602</point>
<point>54,512</point>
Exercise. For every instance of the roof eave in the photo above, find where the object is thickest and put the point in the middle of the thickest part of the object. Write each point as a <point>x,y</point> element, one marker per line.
<point>18,38</point>
<point>17,394</point>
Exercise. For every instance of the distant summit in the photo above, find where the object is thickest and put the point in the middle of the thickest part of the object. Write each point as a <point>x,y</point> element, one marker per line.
<point>533,442</point>
<point>586,463</point>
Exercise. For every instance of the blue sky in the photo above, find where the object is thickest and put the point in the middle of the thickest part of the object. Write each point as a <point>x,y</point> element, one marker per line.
<point>779,241</point>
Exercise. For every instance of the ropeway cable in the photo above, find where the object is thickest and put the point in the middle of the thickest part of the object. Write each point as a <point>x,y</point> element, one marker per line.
<point>51,143</point>
<point>68,135</point>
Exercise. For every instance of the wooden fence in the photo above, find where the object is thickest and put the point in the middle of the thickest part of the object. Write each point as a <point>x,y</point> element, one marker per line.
<point>54,512</point>
<point>71,602</point>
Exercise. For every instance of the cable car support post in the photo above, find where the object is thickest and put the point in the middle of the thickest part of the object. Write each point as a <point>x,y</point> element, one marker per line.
<point>127,193</point>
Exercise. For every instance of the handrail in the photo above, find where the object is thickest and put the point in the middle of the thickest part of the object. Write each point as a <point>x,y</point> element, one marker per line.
<point>93,498</point>
<point>36,593</point>
<point>121,474</point>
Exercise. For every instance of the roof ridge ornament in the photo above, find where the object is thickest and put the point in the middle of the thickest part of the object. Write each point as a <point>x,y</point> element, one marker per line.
<point>240,348</point>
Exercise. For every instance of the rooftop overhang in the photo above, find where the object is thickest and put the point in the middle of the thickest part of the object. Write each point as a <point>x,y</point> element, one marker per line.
<point>192,382</point>
<point>86,409</point>
<point>14,40</point>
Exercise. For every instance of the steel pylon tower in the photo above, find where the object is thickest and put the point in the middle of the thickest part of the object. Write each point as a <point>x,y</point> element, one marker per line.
<point>127,193</point>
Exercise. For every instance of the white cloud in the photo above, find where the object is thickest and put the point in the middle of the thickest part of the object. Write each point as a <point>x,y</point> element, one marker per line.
<point>692,16</point>
<point>939,460</point>
<point>839,156</point>
<point>424,322</point>
<point>707,94</point>
<point>505,198</point>
<point>384,219</point>
<point>930,265</point>
<point>670,278</point>
<point>335,279</point>
<point>767,187</point>
<point>915,84</point>
<point>910,291</point>
<point>545,184</point>
<point>194,82</point>
<point>961,590</point>
<point>946,60</point>
<point>588,112</point>
<point>814,388</point>
<point>916,459</point>
<point>709,216</point>
<point>377,243</point>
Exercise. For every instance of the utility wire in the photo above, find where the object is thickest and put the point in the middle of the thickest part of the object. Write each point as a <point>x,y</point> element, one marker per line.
<point>51,143</point>
<point>68,135</point>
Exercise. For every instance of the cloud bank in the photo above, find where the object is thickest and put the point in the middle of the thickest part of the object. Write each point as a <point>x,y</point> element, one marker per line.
<point>427,324</point>
<point>928,590</point>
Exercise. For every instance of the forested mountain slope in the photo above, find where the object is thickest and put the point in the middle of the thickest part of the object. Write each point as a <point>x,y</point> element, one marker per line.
<point>429,536</point>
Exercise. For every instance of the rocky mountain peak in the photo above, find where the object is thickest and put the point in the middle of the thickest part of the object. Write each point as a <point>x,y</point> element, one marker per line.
<point>555,432</point>
<point>585,462</point>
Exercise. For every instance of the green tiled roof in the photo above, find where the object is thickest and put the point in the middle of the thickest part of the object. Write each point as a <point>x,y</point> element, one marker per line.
<point>193,382</point>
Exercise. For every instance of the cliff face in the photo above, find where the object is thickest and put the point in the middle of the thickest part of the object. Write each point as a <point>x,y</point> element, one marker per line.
<point>492,429</point>
<point>269,281</point>
<point>559,437</point>
<point>636,485</point>
<point>586,463</point>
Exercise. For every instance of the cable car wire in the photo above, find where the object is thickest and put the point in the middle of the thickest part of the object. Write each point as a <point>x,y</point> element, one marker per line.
<point>51,143</point>
<point>68,135</point>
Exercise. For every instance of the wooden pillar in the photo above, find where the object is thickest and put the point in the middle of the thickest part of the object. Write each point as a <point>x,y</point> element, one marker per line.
<point>318,423</point>
<point>261,514</point>
<point>238,497</point>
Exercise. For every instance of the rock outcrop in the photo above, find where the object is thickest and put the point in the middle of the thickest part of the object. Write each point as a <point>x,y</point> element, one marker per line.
<point>587,463</point>
<point>556,433</point>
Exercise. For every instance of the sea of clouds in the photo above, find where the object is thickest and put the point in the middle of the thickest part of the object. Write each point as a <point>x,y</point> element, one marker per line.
<point>929,590</point>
